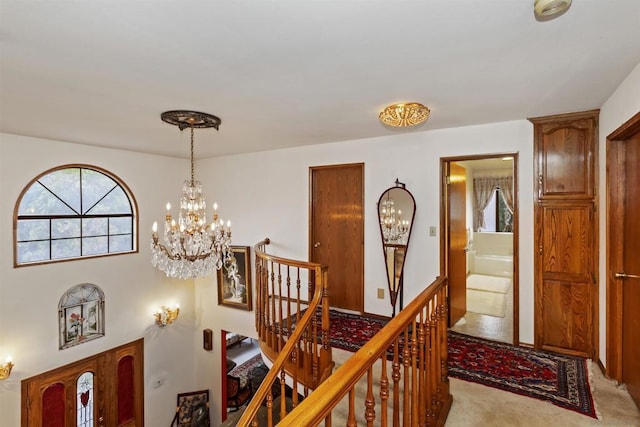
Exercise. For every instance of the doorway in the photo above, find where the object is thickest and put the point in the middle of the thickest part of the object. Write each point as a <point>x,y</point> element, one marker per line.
<point>623,245</point>
<point>336,230</point>
<point>479,244</point>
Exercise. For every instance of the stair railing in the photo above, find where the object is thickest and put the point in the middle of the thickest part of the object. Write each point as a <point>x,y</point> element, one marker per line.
<point>292,322</point>
<point>407,358</point>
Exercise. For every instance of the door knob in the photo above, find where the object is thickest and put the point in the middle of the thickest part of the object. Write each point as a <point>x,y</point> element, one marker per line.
<point>626,276</point>
<point>316,245</point>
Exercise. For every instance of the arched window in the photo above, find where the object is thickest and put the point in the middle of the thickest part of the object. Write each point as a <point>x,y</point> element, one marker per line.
<point>73,211</point>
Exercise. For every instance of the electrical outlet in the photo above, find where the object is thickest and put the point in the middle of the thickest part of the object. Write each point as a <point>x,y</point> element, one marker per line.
<point>380,293</point>
<point>432,231</point>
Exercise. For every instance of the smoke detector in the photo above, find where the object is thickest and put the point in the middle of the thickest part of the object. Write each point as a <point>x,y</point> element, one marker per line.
<point>549,9</point>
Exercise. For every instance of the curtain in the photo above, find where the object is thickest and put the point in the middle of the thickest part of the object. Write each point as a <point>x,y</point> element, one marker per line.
<point>483,189</point>
<point>482,193</point>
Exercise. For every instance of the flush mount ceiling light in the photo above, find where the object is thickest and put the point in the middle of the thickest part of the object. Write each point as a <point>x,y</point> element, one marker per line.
<point>406,114</point>
<point>549,9</point>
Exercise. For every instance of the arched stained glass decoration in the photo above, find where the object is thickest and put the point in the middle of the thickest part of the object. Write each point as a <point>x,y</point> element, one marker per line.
<point>74,211</point>
<point>81,315</point>
<point>84,400</point>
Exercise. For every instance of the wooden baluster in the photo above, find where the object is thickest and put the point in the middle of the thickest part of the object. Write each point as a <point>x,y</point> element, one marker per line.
<point>384,391</point>
<point>369,402</point>
<point>406,396</point>
<point>283,395</point>
<point>281,337</point>
<point>395,375</point>
<point>269,408</point>
<point>272,308</point>
<point>423,367</point>
<point>414,374</point>
<point>351,417</point>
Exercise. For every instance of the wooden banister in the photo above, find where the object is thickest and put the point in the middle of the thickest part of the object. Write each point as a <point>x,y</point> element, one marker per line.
<point>417,337</point>
<point>289,333</point>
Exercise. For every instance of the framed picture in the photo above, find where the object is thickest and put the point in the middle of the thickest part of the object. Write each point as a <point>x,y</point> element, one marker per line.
<point>80,315</point>
<point>192,409</point>
<point>234,279</point>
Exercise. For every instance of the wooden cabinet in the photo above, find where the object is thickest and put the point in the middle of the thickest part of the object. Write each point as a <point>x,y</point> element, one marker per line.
<point>566,244</point>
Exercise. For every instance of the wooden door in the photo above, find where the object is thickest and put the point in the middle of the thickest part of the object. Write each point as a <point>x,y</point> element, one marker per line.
<point>565,290</point>
<point>565,236</point>
<point>337,231</point>
<point>102,390</point>
<point>457,271</point>
<point>623,246</point>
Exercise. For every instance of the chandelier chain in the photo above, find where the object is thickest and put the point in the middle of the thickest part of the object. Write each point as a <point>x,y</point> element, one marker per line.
<point>192,174</point>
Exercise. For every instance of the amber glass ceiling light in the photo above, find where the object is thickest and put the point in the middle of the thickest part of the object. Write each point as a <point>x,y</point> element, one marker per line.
<point>549,9</point>
<point>193,246</point>
<point>407,114</point>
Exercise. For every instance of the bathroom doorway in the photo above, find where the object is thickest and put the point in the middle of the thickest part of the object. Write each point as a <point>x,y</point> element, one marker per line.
<point>479,244</point>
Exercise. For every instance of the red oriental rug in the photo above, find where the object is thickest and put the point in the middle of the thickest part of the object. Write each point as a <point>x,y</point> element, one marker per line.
<point>559,379</point>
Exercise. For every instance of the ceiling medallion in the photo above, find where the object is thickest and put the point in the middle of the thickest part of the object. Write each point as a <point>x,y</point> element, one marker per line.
<point>405,114</point>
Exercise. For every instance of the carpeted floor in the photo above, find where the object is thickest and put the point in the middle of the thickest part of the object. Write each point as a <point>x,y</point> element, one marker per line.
<point>561,380</point>
<point>242,371</point>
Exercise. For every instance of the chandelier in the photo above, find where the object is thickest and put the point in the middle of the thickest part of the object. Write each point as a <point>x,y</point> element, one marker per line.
<point>401,115</point>
<point>394,228</point>
<point>192,246</point>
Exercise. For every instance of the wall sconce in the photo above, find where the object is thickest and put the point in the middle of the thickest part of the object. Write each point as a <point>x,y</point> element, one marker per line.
<point>5,370</point>
<point>165,316</point>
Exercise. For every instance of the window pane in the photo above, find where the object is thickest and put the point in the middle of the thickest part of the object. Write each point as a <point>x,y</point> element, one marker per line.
<point>94,227</point>
<point>121,243</point>
<point>120,225</point>
<point>61,228</point>
<point>33,229</point>
<point>66,248</point>
<point>94,245</point>
<point>37,200</point>
<point>95,186</point>
<point>33,251</point>
<point>84,403</point>
<point>65,183</point>
<point>116,202</point>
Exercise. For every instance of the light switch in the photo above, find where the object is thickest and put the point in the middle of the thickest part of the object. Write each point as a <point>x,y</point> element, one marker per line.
<point>380,293</point>
<point>432,231</point>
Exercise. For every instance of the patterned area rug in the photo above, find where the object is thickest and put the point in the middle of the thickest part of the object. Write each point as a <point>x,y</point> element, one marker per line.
<point>242,371</point>
<point>351,331</point>
<point>561,380</point>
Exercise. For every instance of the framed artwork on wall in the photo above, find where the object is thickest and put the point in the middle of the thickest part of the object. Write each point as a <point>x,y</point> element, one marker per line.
<point>192,409</point>
<point>80,315</point>
<point>234,279</point>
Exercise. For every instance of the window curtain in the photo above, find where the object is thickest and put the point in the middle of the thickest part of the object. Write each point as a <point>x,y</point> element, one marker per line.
<point>483,189</point>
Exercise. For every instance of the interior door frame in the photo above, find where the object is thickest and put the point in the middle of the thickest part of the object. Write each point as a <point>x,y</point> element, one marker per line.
<point>444,226</point>
<point>615,146</point>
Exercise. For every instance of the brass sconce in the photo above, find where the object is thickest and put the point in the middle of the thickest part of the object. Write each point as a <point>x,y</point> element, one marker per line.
<point>5,370</point>
<point>166,316</point>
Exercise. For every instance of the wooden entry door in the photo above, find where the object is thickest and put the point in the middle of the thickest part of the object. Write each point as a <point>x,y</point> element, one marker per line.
<point>102,390</point>
<point>457,271</point>
<point>623,269</point>
<point>336,235</point>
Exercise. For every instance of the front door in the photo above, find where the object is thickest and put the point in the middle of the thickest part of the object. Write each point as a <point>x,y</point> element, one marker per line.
<point>337,231</point>
<point>102,390</point>
<point>623,278</point>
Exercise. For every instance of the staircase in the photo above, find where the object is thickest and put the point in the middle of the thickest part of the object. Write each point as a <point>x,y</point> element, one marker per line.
<point>398,378</point>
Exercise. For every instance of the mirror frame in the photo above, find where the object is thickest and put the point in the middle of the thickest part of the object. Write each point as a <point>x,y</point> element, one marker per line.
<point>395,280</point>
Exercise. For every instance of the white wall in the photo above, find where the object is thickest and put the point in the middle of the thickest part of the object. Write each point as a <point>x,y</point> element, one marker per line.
<point>623,104</point>
<point>29,296</point>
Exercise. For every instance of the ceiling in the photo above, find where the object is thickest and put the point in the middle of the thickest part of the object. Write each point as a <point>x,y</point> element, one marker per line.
<point>286,73</point>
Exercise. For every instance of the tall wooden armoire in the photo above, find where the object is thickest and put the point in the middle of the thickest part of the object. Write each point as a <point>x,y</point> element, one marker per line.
<point>566,233</point>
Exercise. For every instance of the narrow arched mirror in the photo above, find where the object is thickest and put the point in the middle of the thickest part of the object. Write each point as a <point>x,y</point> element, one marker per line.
<point>396,210</point>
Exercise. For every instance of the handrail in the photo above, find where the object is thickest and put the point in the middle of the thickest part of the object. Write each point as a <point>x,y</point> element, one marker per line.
<point>319,404</point>
<point>287,356</point>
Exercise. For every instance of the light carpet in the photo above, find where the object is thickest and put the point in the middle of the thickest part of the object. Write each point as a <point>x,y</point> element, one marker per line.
<point>482,282</point>
<point>489,303</point>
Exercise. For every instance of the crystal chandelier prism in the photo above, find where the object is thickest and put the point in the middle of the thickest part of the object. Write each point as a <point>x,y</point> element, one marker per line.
<point>394,228</point>
<point>193,247</point>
